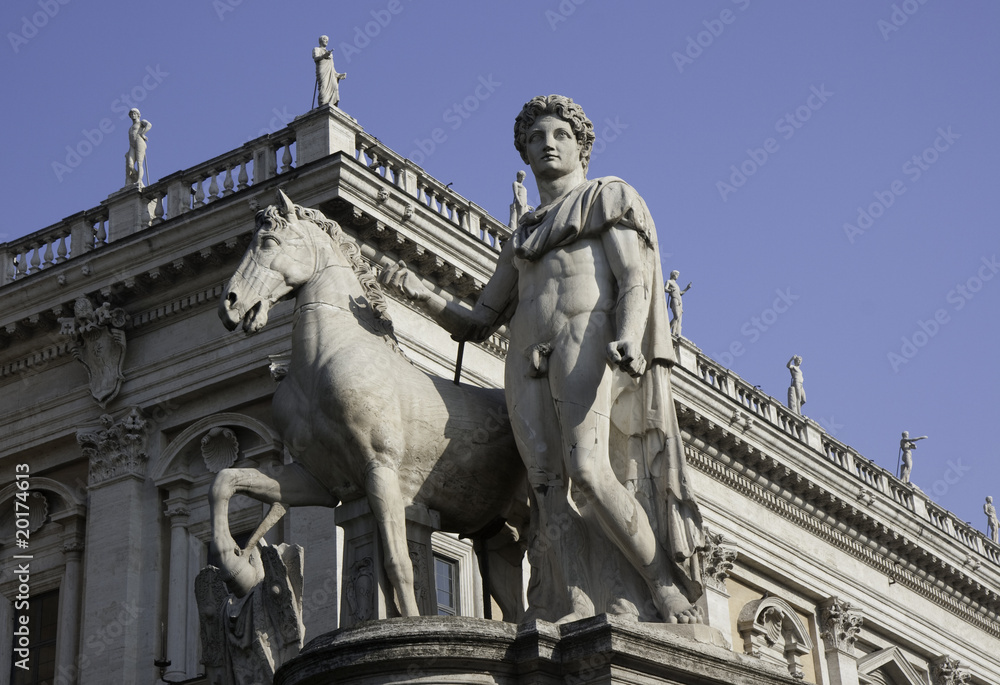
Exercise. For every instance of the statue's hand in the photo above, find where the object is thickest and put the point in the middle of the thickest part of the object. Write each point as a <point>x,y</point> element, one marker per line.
<point>627,356</point>
<point>400,279</point>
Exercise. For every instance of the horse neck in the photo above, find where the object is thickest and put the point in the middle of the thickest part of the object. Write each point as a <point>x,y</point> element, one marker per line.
<point>324,319</point>
<point>333,282</point>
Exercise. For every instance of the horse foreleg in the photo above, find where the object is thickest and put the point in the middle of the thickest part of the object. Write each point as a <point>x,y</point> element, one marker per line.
<point>385,498</point>
<point>289,485</point>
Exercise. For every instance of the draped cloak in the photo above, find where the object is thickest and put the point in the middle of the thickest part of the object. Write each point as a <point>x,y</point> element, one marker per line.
<point>642,409</point>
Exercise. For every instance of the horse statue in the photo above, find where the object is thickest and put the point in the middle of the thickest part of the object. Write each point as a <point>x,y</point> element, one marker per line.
<point>357,418</point>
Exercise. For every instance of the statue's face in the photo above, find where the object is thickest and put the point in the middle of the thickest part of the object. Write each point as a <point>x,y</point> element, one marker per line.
<point>552,149</point>
<point>323,40</point>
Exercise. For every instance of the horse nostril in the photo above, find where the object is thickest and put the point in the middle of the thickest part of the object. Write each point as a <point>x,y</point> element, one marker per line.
<point>231,299</point>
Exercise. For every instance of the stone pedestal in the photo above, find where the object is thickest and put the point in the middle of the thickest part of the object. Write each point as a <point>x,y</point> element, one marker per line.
<point>128,213</point>
<point>366,593</point>
<point>603,649</point>
<point>323,131</point>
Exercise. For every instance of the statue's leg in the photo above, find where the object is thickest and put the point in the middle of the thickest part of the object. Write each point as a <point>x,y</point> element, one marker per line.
<point>557,588</point>
<point>386,500</point>
<point>583,385</point>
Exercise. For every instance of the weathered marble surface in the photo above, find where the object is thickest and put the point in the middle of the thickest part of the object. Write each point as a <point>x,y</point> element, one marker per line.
<point>246,639</point>
<point>357,418</point>
<point>615,523</point>
<point>601,649</point>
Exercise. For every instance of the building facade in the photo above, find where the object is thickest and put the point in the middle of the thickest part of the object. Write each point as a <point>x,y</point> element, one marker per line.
<point>124,396</point>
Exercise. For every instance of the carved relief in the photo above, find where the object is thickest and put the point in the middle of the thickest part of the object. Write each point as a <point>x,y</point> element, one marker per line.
<point>247,639</point>
<point>38,511</point>
<point>115,449</point>
<point>359,590</point>
<point>946,671</point>
<point>717,560</point>
<point>219,449</point>
<point>418,557</point>
<point>99,342</point>
<point>840,624</point>
<point>773,632</point>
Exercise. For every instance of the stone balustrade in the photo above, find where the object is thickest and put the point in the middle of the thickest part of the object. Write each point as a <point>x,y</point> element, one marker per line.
<point>171,196</point>
<point>873,478</point>
<point>460,213</point>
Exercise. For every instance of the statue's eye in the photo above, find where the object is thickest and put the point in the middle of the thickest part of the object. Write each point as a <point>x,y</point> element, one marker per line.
<point>269,241</point>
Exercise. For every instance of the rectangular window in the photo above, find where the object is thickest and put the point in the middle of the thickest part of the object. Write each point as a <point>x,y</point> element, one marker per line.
<point>446,579</point>
<point>43,618</point>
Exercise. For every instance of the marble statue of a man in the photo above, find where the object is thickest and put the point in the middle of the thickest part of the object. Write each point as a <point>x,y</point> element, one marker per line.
<point>519,207</point>
<point>615,524</point>
<point>906,447</point>
<point>991,520</point>
<point>327,78</point>
<point>796,392</point>
<point>675,297</point>
<point>135,158</point>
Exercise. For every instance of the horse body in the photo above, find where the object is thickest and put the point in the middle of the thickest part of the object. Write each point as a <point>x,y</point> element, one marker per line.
<point>356,416</point>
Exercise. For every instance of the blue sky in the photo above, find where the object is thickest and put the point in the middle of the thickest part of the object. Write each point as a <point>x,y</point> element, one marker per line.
<point>837,157</point>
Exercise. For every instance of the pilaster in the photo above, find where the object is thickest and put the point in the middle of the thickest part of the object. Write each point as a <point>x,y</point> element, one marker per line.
<point>840,625</point>
<point>113,597</point>
<point>718,561</point>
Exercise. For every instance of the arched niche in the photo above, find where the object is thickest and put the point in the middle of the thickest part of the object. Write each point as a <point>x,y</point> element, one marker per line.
<point>49,500</point>
<point>202,447</point>
<point>772,631</point>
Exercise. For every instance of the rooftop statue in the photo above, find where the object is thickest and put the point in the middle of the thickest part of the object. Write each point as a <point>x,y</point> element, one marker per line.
<point>796,393</point>
<point>906,445</point>
<point>519,207</point>
<point>991,520</point>
<point>615,524</point>
<point>358,419</point>
<point>674,295</point>
<point>327,78</point>
<point>135,158</point>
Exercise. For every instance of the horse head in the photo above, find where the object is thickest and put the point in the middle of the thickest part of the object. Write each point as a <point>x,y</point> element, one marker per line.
<point>288,245</point>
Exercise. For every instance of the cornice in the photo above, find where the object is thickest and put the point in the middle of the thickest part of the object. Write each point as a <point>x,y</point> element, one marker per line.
<point>769,482</point>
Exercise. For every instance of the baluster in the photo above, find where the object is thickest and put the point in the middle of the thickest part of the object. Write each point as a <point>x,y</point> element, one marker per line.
<point>47,259</point>
<point>102,232</point>
<point>374,163</point>
<point>286,158</point>
<point>22,262</point>
<point>442,206</point>
<point>36,260</point>
<point>61,249</point>
<point>228,183</point>
<point>213,188</point>
<point>199,195</point>
<point>421,195</point>
<point>243,179</point>
<point>158,209</point>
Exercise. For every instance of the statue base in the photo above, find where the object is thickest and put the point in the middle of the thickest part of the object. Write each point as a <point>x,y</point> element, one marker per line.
<point>603,649</point>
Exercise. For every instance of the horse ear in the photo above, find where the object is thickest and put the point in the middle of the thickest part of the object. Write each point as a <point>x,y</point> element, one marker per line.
<point>285,206</point>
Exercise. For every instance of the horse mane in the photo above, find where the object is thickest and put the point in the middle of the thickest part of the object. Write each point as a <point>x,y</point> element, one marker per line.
<point>382,322</point>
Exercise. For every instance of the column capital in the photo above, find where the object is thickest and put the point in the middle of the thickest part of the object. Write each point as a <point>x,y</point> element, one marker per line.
<point>116,449</point>
<point>718,557</point>
<point>840,624</point>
